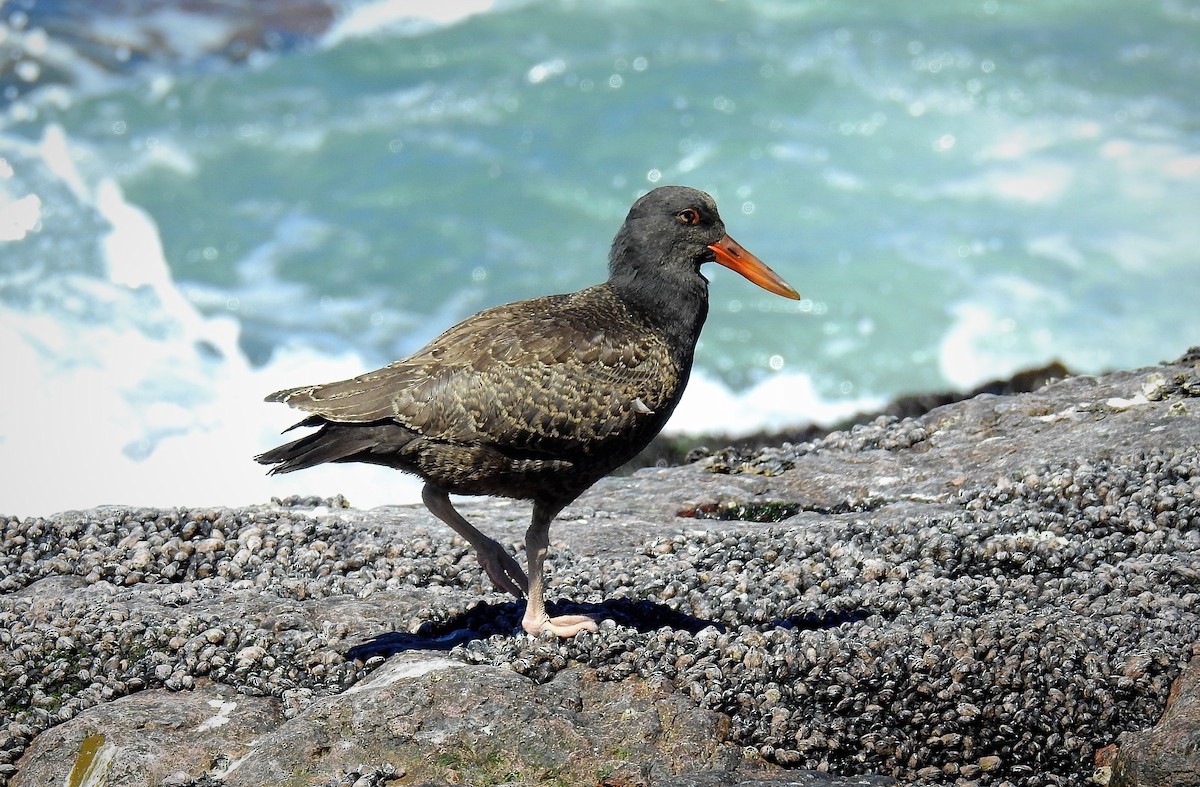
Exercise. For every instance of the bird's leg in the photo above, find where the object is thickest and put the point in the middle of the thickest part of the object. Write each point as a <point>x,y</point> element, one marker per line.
<point>504,571</point>
<point>537,544</point>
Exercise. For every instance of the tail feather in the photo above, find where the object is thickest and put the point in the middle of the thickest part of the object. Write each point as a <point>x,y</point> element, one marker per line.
<point>333,443</point>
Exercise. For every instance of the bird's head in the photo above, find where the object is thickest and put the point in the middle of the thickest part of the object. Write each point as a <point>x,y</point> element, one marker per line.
<point>673,230</point>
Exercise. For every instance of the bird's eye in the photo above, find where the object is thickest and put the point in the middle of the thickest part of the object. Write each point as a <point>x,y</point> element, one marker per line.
<point>688,216</point>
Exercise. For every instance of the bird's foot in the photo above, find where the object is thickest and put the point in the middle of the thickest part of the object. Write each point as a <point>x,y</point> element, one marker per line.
<point>561,626</point>
<point>502,568</point>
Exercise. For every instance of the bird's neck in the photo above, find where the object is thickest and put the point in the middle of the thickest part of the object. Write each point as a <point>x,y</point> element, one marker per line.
<point>677,310</point>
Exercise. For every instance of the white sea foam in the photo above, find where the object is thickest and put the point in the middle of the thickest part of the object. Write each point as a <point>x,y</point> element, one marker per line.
<point>152,404</point>
<point>135,419</point>
<point>999,331</point>
<point>781,400</point>
<point>18,215</point>
<point>402,17</point>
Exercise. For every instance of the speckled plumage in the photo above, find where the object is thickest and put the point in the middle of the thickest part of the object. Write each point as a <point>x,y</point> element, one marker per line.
<point>526,400</point>
<point>538,399</point>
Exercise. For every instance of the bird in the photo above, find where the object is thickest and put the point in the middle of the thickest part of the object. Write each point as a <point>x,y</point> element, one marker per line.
<point>537,399</point>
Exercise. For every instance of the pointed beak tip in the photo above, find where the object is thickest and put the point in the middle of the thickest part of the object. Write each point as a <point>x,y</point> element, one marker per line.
<point>730,253</point>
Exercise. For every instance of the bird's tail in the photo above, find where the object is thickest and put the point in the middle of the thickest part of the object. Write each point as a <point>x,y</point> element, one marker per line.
<point>332,443</point>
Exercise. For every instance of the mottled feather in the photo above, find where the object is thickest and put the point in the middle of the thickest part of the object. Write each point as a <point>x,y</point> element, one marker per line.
<point>529,400</point>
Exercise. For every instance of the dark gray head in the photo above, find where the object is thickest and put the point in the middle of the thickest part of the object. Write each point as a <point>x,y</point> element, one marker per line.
<point>666,237</point>
<point>668,234</point>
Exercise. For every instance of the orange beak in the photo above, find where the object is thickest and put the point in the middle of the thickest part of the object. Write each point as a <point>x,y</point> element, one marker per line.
<point>731,254</point>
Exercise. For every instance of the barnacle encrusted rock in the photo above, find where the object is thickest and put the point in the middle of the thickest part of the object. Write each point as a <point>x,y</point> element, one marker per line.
<point>986,594</point>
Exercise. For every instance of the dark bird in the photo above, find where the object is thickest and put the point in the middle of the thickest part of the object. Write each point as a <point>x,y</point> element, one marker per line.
<point>538,399</point>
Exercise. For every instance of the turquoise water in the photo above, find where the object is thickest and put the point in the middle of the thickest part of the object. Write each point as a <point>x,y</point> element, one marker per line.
<point>958,189</point>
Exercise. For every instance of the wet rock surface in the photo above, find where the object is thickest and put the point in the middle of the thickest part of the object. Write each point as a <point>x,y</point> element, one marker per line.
<point>986,594</point>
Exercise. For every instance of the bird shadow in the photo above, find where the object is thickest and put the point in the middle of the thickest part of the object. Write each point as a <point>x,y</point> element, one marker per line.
<point>486,620</point>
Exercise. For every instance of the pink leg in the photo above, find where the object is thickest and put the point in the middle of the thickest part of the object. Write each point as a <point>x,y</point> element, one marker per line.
<point>504,571</point>
<point>537,545</point>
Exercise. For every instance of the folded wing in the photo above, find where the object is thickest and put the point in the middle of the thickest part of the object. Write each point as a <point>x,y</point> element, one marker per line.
<point>534,377</point>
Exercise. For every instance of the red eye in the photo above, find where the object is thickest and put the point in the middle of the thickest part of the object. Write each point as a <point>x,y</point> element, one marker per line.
<point>688,216</point>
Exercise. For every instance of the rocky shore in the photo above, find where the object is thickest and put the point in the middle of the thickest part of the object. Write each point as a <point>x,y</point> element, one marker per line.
<point>999,592</point>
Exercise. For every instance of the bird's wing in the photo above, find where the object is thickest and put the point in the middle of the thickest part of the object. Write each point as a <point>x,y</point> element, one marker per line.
<point>537,376</point>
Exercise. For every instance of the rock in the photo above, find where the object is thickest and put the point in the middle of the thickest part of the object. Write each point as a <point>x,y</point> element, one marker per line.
<point>1168,754</point>
<point>671,449</point>
<point>775,779</point>
<point>151,737</point>
<point>439,720</point>
<point>984,594</point>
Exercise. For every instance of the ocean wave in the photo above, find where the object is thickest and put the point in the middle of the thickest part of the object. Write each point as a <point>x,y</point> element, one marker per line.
<point>124,392</point>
